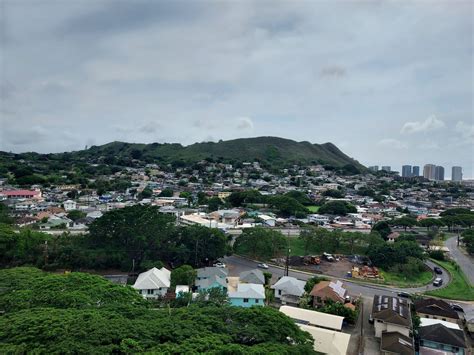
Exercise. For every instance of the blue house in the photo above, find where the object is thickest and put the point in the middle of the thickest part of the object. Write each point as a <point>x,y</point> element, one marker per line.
<point>248,295</point>
<point>211,277</point>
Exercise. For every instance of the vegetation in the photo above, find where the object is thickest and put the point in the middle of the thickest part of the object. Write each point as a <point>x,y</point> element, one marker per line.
<point>468,240</point>
<point>459,288</point>
<point>261,243</point>
<point>138,235</point>
<point>340,208</point>
<point>79,313</point>
<point>183,275</point>
<point>396,278</point>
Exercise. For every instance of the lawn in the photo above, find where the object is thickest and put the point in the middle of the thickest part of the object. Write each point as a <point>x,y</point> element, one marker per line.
<point>396,279</point>
<point>297,248</point>
<point>313,209</point>
<point>459,288</point>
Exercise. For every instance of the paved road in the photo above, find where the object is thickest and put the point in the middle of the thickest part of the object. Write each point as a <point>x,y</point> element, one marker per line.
<point>465,262</point>
<point>237,264</point>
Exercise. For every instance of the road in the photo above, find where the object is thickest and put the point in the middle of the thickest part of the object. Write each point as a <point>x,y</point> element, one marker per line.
<point>464,261</point>
<point>237,264</point>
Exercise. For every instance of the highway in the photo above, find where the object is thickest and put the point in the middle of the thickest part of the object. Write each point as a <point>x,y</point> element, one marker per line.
<point>465,262</point>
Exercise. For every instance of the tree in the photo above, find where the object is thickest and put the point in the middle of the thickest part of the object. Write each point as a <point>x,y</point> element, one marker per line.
<point>146,193</point>
<point>183,275</point>
<point>383,228</point>
<point>468,240</point>
<point>340,208</point>
<point>166,193</point>
<point>430,223</point>
<point>261,243</point>
<point>404,222</point>
<point>76,214</point>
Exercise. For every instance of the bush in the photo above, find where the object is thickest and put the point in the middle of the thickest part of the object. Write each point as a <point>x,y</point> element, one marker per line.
<point>437,255</point>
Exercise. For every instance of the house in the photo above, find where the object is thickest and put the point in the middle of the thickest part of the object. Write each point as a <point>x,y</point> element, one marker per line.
<point>247,295</point>
<point>443,338</point>
<point>254,276</point>
<point>69,205</point>
<point>314,318</point>
<point>396,343</point>
<point>391,314</point>
<point>289,289</point>
<point>392,237</point>
<point>210,277</point>
<point>328,290</point>
<point>435,309</point>
<point>153,283</point>
<point>328,341</point>
<point>21,194</point>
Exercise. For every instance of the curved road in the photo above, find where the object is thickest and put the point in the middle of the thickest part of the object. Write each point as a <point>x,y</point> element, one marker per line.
<point>237,264</point>
<point>465,262</point>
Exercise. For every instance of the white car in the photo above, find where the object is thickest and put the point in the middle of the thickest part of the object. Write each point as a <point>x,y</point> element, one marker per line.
<point>263,266</point>
<point>219,264</point>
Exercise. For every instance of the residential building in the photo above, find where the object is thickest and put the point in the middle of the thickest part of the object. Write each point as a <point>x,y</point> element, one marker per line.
<point>211,277</point>
<point>406,171</point>
<point>435,309</point>
<point>395,343</point>
<point>328,290</point>
<point>456,173</point>
<point>289,289</point>
<point>443,339</point>
<point>391,314</point>
<point>386,168</point>
<point>429,171</point>
<point>254,276</point>
<point>415,171</point>
<point>439,173</point>
<point>153,283</point>
<point>69,205</point>
<point>374,168</point>
<point>20,194</point>
<point>314,318</point>
<point>248,295</point>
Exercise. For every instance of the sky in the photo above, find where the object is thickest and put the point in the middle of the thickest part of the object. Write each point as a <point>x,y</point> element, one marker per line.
<point>388,82</point>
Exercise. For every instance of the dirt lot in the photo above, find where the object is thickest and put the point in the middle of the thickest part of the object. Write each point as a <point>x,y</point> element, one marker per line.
<point>336,268</point>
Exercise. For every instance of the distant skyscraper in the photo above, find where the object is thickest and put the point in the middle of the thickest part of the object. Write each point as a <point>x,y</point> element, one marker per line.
<point>374,168</point>
<point>439,173</point>
<point>406,171</point>
<point>456,173</point>
<point>415,171</point>
<point>386,168</point>
<point>429,171</point>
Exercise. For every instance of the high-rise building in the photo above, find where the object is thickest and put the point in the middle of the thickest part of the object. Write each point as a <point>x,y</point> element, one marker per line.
<point>406,171</point>
<point>386,168</point>
<point>415,171</point>
<point>374,168</point>
<point>429,171</point>
<point>439,173</point>
<point>456,173</point>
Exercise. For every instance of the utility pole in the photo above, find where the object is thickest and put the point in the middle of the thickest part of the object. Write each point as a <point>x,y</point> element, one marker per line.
<point>288,250</point>
<point>45,252</point>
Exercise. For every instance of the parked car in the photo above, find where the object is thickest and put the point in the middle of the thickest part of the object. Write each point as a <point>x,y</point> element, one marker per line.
<point>457,307</point>
<point>371,319</point>
<point>438,270</point>
<point>263,266</point>
<point>219,264</point>
<point>404,294</point>
<point>438,282</point>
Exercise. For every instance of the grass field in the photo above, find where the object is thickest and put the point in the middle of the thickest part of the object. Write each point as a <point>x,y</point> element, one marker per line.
<point>297,248</point>
<point>394,279</point>
<point>313,209</point>
<point>458,289</point>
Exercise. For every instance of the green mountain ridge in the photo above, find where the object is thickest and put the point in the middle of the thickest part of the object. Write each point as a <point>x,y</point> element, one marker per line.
<point>269,151</point>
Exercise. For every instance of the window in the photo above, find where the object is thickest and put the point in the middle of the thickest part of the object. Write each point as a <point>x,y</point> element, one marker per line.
<point>246,300</point>
<point>150,292</point>
<point>256,301</point>
<point>279,292</point>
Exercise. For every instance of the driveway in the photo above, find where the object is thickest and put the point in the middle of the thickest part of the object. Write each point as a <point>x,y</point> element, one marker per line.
<point>464,261</point>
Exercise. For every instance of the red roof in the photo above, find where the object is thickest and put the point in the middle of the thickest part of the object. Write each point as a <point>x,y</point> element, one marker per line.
<point>20,193</point>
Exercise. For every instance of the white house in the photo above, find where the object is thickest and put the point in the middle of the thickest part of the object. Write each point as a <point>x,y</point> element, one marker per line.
<point>69,205</point>
<point>289,289</point>
<point>153,283</point>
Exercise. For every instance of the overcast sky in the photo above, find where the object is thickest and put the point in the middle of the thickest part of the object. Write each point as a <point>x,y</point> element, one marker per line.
<point>389,82</point>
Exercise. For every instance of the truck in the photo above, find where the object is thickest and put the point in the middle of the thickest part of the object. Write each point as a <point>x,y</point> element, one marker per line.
<point>328,257</point>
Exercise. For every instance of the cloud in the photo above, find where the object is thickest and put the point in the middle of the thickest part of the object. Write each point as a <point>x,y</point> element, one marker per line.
<point>392,143</point>
<point>430,124</point>
<point>244,123</point>
<point>149,127</point>
<point>465,130</point>
<point>333,72</point>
